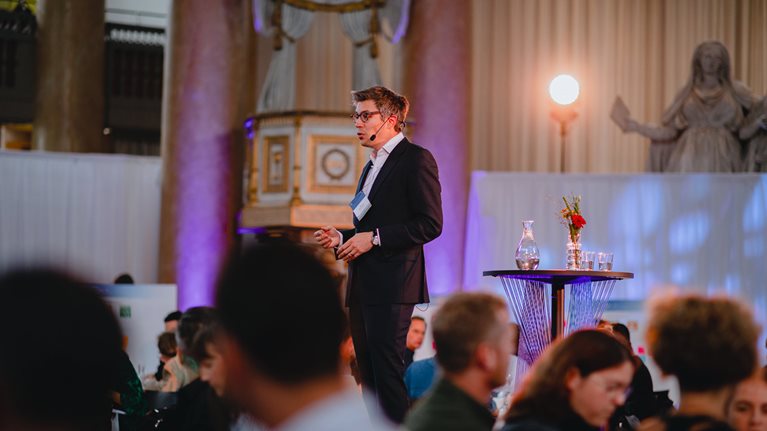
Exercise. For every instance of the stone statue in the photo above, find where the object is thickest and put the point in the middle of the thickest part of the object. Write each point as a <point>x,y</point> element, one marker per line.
<point>699,131</point>
<point>754,130</point>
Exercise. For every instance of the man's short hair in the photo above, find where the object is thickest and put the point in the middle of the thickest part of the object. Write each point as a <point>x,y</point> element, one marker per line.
<point>620,328</point>
<point>463,322</point>
<point>174,315</point>
<point>73,345</point>
<point>282,307</point>
<point>386,101</point>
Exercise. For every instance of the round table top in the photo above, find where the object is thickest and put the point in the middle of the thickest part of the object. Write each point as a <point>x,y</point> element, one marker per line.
<point>558,274</point>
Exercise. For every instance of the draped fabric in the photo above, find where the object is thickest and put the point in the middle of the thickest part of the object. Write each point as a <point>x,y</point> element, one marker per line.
<point>279,90</point>
<point>639,50</point>
<point>356,25</point>
<point>701,232</point>
<point>96,215</point>
<point>314,74</point>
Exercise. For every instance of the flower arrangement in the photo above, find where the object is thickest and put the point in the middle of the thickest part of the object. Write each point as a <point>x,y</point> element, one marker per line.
<point>572,218</point>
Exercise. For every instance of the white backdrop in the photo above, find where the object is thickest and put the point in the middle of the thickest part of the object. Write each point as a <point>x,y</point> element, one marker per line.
<point>704,232</point>
<point>95,214</point>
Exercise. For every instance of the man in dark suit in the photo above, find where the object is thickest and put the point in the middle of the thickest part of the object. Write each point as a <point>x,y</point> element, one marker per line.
<point>397,209</point>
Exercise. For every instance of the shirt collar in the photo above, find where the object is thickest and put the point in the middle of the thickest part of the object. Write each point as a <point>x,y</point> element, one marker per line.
<point>389,146</point>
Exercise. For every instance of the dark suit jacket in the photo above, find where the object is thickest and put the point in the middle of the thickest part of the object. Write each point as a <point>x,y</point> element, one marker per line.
<point>407,211</point>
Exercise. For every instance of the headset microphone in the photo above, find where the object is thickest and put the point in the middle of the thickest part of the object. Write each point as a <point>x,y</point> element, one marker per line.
<point>373,136</point>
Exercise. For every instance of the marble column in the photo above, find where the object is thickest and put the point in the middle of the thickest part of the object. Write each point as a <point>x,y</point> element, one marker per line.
<point>206,96</point>
<point>438,66</point>
<point>69,110</point>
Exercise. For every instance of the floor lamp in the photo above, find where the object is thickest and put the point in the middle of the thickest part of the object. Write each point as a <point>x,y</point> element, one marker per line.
<point>564,91</point>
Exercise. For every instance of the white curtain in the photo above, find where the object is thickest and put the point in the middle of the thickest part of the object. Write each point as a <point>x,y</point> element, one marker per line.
<point>703,232</point>
<point>279,90</point>
<point>640,50</point>
<point>365,72</point>
<point>96,215</point>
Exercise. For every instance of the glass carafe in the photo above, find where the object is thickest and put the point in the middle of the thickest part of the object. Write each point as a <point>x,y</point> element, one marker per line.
<point>527,254</point>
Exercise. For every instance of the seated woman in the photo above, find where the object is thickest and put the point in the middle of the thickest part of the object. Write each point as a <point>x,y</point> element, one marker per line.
<point>709,345</point>
<point>748,409</point>
<point>576,385</point>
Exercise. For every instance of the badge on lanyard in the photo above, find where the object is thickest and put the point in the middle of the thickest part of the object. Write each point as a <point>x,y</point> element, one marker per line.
<point>360,205</point>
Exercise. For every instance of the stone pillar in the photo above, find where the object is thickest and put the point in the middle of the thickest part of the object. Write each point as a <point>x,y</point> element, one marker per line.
<point>438,66</point>
<point>205,100</point>
<point>69,111</point>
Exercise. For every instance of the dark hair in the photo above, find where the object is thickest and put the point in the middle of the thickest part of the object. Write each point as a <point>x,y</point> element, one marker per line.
<point>193,322</point>
<point>166,343</point>
<point>205,335</point>
<point>174,315</point>
<point>73,344</point>
<point>281,305</point>
<point>124,279</point>
<point>623,330</point>
<point>461,323</point>
<point>691,337</point>
<point>544,395</point>
<point>386,101</point>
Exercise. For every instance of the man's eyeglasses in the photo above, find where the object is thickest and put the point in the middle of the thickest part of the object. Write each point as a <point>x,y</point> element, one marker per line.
<point>364,115</point>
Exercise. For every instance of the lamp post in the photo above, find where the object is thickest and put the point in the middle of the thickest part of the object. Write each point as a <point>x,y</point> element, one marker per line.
<point>564,91</point>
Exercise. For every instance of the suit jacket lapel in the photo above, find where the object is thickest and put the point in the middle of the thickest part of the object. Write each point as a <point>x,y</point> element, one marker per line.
<point>388,167</point>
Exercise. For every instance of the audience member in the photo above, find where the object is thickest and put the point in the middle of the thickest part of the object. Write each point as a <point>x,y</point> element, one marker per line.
<point>575,385</point>
<point>193,410</point>
<point>420,377</point>
<point>709,344</point>
<point>748,409</point>
<point>640,403</point>
<point>182,368</point>
<point>415,336</point>
<point>166,345</point>
<point>473,348</point>
<point>283,326</point>
<point>128,395</point>
<point>58,368</point>
<point>124,278</point>
<point>171,321</point>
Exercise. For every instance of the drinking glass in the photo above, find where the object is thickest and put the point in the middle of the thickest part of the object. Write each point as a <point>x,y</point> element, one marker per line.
<point>605,261</point>
<point>587,260</point>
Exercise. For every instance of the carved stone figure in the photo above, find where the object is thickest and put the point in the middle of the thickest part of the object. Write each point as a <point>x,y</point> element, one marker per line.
<point>699,131</point>
<point>754,130</point>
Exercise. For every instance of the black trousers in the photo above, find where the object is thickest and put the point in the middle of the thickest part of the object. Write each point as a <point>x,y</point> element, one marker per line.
<point>379,333</point>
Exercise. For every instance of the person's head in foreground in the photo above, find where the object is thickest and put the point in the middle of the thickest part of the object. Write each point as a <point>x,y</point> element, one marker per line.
<point>283,324</point>
<point>577,383</point>
<point>472,336</point>
<point>58,369</point>
<point>709,344</point>
<point>747,411</point>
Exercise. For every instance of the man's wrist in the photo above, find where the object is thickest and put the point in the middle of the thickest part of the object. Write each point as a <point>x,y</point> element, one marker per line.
<point>375,239</point>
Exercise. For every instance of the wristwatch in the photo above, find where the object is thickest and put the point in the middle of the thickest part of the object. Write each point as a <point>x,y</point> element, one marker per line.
<point>376,240</point>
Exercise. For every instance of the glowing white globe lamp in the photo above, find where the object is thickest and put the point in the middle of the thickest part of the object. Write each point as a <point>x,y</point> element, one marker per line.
<point>564,89</point>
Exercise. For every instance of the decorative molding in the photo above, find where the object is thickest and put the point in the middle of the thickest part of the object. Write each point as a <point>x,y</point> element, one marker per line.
<point>276,164</point>
<point>334,164</point>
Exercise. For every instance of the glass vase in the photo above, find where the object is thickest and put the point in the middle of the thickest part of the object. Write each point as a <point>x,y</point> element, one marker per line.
<point>574,252</point>
<point>527,254</point>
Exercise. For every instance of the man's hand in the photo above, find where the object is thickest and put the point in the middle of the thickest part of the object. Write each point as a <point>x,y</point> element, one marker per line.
<point>356,246</point>
<point>328,237</point>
